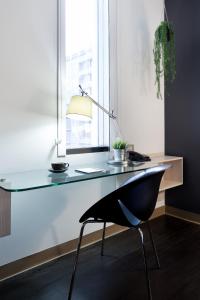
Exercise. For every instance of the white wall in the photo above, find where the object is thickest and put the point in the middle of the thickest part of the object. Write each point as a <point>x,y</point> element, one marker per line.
<point>141,114</point>
<point>44,218</point>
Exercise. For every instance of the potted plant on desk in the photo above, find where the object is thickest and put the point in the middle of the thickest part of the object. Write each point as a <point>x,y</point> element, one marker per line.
<point>119,148</point>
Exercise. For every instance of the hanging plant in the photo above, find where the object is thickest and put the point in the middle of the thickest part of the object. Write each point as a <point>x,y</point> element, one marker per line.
<point>164,54</point>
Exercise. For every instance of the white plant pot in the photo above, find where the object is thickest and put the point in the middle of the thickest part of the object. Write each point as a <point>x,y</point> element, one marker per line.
<point>119,154</point>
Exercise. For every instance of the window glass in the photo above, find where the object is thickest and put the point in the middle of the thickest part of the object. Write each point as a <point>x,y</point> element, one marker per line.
<point>87,63</point>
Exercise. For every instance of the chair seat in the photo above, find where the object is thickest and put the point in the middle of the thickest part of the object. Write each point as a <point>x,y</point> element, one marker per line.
<point>115,212</point>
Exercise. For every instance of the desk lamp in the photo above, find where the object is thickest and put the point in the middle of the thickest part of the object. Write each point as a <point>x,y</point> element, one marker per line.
<point>81,106</point>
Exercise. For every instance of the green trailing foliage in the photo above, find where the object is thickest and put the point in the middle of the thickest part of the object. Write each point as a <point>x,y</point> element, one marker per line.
<point>119,144</point>
<point>164,54</point>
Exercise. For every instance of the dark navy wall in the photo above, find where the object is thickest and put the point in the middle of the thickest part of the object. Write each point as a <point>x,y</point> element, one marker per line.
<point>182,103</point>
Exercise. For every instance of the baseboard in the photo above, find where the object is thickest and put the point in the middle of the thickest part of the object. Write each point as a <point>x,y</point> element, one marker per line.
<point>182,214</point>
<point>29,262</point>
<point>160,211</point>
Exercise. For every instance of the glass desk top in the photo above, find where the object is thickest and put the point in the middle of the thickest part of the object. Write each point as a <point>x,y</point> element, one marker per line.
<point>30,180</point>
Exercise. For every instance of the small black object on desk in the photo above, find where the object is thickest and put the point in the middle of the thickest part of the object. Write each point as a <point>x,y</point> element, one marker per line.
<point>135,156</point>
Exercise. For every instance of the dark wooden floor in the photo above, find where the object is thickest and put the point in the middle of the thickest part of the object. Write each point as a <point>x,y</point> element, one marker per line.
<point>119,274</point>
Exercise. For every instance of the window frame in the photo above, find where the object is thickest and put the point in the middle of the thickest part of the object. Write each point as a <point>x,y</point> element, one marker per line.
<point>103,119</point>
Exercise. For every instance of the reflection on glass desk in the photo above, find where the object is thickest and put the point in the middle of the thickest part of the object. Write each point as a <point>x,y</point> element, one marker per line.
<point>29,180</point>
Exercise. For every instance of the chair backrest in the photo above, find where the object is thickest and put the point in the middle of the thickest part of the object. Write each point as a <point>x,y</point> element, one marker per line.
<point>138,195</point>
<point>131,203</point>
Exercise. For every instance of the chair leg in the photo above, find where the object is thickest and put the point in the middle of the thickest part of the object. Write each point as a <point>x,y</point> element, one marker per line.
<point>145,264</point>
<point>76,262</point>
<point>103,238</point>
<point>153,245</point>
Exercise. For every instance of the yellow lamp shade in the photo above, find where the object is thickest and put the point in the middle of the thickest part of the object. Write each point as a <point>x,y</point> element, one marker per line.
<point>80,107</point>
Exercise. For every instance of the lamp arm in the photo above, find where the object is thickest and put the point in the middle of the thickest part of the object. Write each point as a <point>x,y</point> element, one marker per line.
<point>110,114</point>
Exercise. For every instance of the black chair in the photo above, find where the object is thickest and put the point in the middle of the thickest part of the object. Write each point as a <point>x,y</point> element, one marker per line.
<point>129,205</point>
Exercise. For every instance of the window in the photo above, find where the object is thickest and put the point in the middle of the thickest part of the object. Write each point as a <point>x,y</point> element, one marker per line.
<point>85,62</point>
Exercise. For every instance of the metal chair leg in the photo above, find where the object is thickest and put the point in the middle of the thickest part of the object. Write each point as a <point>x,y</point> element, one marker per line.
<point>145,264</point>
<point>153,244</point>
<point>103,238</point>
<point>75,262</point>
